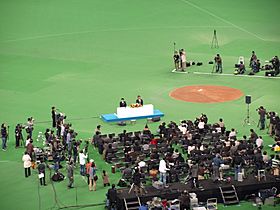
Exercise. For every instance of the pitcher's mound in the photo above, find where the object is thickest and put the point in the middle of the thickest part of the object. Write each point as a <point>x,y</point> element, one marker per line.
<point>206,94</point>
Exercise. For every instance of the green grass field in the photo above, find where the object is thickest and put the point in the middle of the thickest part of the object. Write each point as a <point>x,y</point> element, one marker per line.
<point>83,56</point>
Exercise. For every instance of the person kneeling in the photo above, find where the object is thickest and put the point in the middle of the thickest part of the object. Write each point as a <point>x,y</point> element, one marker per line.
<point>241,69</point>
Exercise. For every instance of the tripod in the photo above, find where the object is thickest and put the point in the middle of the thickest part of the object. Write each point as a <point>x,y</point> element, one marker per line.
<point>215,43</point>
<point>214,67</point>
<point>247,120</point>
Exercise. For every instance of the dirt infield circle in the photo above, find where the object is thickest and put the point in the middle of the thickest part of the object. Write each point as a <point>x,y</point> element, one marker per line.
<point>206,94</point>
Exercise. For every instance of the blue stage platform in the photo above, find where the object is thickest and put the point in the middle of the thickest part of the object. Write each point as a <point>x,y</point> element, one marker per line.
<point>114,118</point>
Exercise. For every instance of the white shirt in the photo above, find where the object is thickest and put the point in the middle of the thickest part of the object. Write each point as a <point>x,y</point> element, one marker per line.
<point>190,148</point>
<point>162,166</point>
<point>183,129</point>
<point>27,142</point>
<point>141,164</point>
<point>259,142</point>
<point>183,56</point>
<point>201,125</point>
<point>232,134</point>
<point>82,158</point>
<point>26,161</point>
<point>62,129</point>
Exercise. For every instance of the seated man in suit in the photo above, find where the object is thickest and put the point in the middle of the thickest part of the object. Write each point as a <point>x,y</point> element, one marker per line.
<point>122,103</point>
<point>139,100</point>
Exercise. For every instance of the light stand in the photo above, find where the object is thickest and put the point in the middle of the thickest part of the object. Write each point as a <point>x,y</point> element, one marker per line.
<point>214,67</point>
<point>174,48</point>
<point>248,120</point>
<point>215,43</point>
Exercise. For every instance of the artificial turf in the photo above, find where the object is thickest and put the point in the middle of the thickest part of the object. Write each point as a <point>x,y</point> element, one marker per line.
<point>83,56</point>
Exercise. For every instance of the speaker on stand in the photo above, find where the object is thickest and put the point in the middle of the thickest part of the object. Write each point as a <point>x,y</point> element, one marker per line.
<point>248,120</point>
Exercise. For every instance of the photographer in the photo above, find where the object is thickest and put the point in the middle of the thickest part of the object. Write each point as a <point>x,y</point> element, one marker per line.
<point>82,158</point>
<point>70,174</point>
<point>176,58</point>
<point>29,127</point>
<point>136,179</point>
<point>218,63</point>
<point>18,135</point>
<point>163,170</point>
<point>275,64</point>
<point>262,113</point>
<point>53,112</point>
<point>272,122</point>
<point>4,136</point>
<point>42,172</point>
<point>112,197</point>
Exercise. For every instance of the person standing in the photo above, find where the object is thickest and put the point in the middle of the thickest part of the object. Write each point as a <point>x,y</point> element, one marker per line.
<point>136,179</point>
<point>42,172</point>
<point>183,59</point>
<point>112,197</point>
<point>238,162</point>
<point>18,135</point>
<point>29,128</point>
<point>218,62</point>
<point>194,175</point>
<point>262,114</point>
<point>259,142</point>
<point>217,162</point>
<point>162,171</point>
<point>105,178</point>
<point>4,136</point>
<point>92,177</point>
<point>30,148</point>
<point>275,64</point>
<point>26,164</point>
<point>70,174</point>
<point>222,125</point>
<point>82,158</point>
<point>53,112</point>
<point>176,59</point>
<point>184,199</point>
<point>122,103</point>
<point>139,100</point>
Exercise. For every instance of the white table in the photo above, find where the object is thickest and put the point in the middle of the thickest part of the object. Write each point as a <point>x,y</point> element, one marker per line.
<point>127,112</point>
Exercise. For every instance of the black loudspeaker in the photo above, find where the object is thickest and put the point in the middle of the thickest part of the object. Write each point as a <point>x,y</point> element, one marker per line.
<point>247,99</point>
<point>156,119</point>
<point>270,73</point>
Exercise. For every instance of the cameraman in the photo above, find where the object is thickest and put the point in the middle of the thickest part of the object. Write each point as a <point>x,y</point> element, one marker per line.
<point>136,179</point>
<point>18,135</point>
<point>272,122</point>
<point>275,64</point>
<point>262,112</point>
<point>4,136</point>
<point>218,62</point>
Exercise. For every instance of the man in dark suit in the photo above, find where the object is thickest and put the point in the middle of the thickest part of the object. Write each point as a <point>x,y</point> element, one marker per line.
<point>112,197</point>
<point>122,103</point>
<point>53,117</point>
<point>139,100</point>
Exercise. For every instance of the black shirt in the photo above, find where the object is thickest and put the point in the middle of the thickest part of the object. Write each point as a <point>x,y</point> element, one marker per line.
<point>122,104</point>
